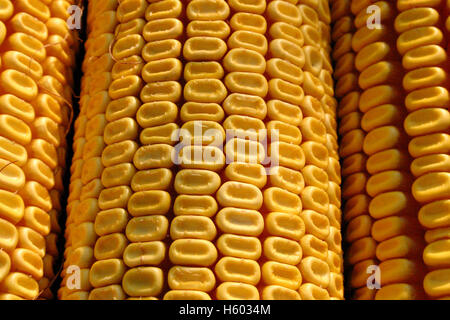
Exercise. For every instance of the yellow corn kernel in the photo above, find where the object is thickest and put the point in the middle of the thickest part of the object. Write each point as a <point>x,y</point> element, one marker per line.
<point>156,50</point>
<point>239,246</point>
<point>416,17</point>
<point>289,179</point>
<point>275,292</point>
<point>238,270</point>
<point>153,202</point>
<point>196,227</point>
<point>111,292</point>
<point>398,291</point>
<point>110,246</point>
<point>284,11</point>
<point>282,250</point>
<point>192,252</point>
<point>186,295</point>
<point>147,228</point>
<point>436,283</point>
<point>390,204</point>
<point>361,250</point>
<point>310,291</point>
<point>143,281</point>
<point>240,195</point>
<point>240,221</point>
<point>21,285</point>
<point>188,278</point>
<point>9,236</point>
<point>432,187</point>
<point>399,270</point>
<point>218,29</point>
<point>313,246</point>
<point>236,291</point>
<point>245,21</point>
<point>275,273</point>
<point>285,225</point>
<point>435,254</point>
<point>149,253</point>
<point>386,228</point>
<point>433,215</point>
<point>279,200</point>
<point>397,247</point>
<point>248,40</point>
<point>430,163</point>
<point>195,205</point>
<point>359,274</point>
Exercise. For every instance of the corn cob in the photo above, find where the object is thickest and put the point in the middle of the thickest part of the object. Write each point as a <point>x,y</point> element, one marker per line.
<point>384,144</point>
<point>395,237</point>
<point>37,62</point>
<point>421,42</point>
<point>236,94</point>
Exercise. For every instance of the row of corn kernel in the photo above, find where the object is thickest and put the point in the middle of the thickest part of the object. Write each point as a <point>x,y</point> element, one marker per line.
<point>356,206</point>
<point>204,85</point>
<point>362,252</point>
<point>283,227</point>
<point>158,118</point>
<point>329,105</point>
<point>109,275</point>
<point>192,252</point>
<point>447,22</point>
<point>98,70</point>
<point>398,249</point>
<point>46,126</point>
<point>18,255</point>
<point>113,225</point>
<point>34,95</point>
<point>365,248</point>
<point>286,182</point>
<point>238,271</point>
<point>109,219</point>
<point>422,44</point>
<point>151,202</point>
<point>62,46</point>
<point>447,203</point>
<point>85,184</point>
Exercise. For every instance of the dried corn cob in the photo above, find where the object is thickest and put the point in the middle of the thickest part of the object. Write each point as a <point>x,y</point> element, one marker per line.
<point>237,85</point>
<point>422,42</point>
<point>395,237</point>
<point>397,250</point>
<point>37,62</point>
